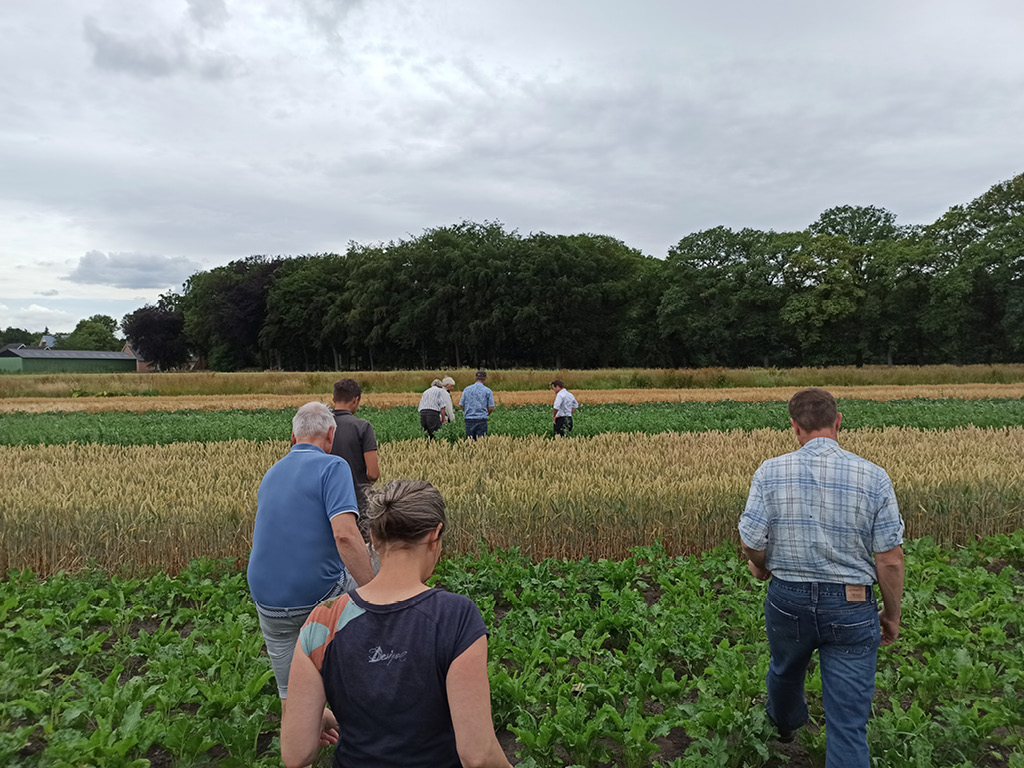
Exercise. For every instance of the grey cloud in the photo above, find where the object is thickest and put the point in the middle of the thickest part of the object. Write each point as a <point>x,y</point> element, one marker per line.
<point>208,14</point>
<point>326,16</point>
<point>211,66</point>
<point>131,270</point>
<point>144,57</point>
<point>149,57</point>
<point>49,292</point>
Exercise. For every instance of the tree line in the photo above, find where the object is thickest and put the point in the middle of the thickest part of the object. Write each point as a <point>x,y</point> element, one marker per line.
<point>95,334</point>
<point>855,287</point>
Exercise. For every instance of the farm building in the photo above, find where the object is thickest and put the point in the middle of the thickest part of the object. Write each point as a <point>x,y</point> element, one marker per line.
<point>22,359</point>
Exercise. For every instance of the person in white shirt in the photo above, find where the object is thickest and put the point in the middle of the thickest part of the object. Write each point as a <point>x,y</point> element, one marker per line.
<point>565,406</point>
<point>448,415</point>
<point>432,407</point>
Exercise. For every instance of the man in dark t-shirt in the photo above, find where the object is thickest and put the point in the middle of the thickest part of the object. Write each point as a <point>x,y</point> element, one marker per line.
<point>354,439</point>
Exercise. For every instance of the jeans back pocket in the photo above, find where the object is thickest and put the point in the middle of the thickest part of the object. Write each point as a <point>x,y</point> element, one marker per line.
<point>858,638</point>
<point>781,625</point>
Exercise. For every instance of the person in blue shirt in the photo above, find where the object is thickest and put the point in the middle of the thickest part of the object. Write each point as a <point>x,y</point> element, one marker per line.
<point>477,402</point>
<point>306,544</point>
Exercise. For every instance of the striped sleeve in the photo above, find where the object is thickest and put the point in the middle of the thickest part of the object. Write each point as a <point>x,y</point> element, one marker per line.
<point>323,623</point>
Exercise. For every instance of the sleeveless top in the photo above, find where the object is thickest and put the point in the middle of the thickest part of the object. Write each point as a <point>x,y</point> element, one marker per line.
<point>384,669</point>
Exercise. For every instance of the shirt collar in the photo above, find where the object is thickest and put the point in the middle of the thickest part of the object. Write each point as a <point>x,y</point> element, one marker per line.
<point>305,447</point>
<point>820,445</point>
<point>342,410</point>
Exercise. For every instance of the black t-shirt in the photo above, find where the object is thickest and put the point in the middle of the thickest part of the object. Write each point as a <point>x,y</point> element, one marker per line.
<point>352,438</point>
<point>384,669</point>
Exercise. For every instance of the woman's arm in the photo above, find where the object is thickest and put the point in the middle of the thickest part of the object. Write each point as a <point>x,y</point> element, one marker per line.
<point>302,717</point>
<point>469,698</point>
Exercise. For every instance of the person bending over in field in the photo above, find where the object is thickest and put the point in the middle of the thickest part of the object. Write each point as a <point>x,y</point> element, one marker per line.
<point>823,525</point>
<point>403,666</point>
<point>306,545</point>
<point>431,408</point>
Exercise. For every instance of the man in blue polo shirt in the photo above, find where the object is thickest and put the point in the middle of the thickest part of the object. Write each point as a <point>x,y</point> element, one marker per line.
<point>306,544</point>
<point>478,402</point>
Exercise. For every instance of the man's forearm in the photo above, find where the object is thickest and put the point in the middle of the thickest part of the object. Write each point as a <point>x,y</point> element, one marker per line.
<point>758,557</point>
<point>356,559</point>
<point>890,584</point>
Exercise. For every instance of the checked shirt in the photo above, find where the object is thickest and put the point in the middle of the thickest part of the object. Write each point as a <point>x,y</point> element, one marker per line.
<point>822,513</point>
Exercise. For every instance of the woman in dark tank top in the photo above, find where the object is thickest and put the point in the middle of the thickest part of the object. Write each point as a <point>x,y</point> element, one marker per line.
<point>402,666</point>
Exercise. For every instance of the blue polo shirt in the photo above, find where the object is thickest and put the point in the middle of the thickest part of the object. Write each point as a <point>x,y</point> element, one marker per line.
<point>295,561</point>
<point>475,400</point>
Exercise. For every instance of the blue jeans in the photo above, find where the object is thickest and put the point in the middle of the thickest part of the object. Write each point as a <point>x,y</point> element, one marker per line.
<point>476,428</point>
<point>804,617</point>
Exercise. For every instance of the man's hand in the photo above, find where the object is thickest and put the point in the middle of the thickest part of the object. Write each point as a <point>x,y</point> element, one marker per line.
<point>890,584</point>
<point>328,729</point>
<point>890,628</point>
<point>759,573</point>
<point>757,561</point>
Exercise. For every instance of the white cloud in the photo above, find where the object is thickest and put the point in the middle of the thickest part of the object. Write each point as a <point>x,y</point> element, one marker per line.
<point>35,317</point>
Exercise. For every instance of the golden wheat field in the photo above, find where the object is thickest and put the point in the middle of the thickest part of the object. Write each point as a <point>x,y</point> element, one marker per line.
<point>508,398</point>
<point>156,507</point>
<point>66,385</point>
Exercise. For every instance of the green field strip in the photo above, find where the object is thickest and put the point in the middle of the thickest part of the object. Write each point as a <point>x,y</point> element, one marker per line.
<point>590,663</point>
<point>402,423</point>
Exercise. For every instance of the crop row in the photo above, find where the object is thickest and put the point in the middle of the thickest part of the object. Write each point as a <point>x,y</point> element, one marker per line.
<point>508,398</point>
<point>402,423</point>
<point>61,385</point>
<point>160,506</point>
<point>648,661</point>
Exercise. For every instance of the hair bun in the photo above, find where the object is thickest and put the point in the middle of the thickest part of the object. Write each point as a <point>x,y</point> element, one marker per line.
<point>404,511</point>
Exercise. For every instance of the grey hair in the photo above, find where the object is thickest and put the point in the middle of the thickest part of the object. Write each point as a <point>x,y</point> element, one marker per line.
<point>403,511</point>
<point>312,420</point>
<point>436,383</point>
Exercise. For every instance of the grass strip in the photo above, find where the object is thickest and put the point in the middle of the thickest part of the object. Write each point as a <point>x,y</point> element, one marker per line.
<point>385,400</point>
<point>65,385</point>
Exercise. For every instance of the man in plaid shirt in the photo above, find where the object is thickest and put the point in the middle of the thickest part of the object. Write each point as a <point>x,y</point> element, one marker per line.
<point>822,524</point>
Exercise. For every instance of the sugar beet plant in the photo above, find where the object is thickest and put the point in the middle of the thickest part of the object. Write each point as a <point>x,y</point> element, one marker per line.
<point>649,661</point>
<point>402,423</point>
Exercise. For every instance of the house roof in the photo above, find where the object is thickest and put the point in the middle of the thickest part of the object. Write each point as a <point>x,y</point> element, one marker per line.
<point>12,346</point>
<point>64,354</point>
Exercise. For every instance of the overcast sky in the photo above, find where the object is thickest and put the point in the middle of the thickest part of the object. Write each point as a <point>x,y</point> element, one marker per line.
<point>142,141</point>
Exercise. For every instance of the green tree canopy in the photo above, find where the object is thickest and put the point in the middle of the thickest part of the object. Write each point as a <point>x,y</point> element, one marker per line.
<point>157,335</point>
<point>11,335</point>
<point>92,335</point>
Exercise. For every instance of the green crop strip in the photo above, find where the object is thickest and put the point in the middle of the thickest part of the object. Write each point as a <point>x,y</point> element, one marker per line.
<point>650,661</point>
<point>402,423</point>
